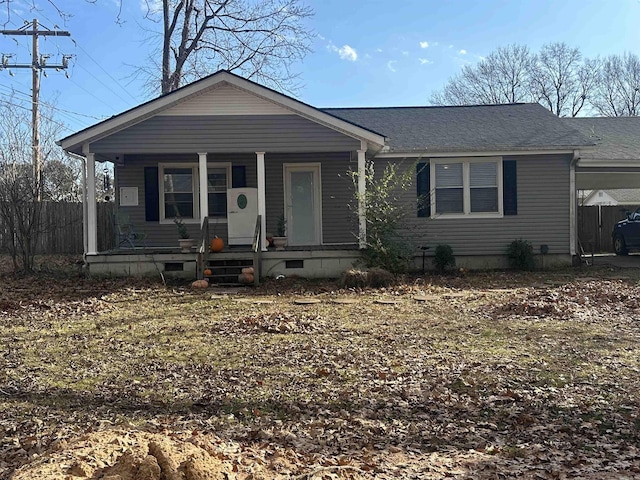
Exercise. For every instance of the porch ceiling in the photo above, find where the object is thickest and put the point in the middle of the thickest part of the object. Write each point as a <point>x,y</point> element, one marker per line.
<point>607,180</point>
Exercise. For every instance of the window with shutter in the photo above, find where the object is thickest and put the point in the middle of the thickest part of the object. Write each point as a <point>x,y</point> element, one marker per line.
<point>467,187</point>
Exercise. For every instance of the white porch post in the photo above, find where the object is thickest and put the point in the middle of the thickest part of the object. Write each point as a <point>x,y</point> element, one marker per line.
<point>362,207</point>
<point>85,204</point>
<point>262,199</point>
<point>92,214</point>
<point>204,190</point>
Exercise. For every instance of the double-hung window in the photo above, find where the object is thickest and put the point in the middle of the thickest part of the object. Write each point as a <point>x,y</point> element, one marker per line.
<point>180,191</point>
<point>179,186</point>
<point>467,187</point>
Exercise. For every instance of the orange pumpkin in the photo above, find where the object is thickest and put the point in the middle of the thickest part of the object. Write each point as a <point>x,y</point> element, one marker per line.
<point>245,278</point>
<point>207,271</point>
<point>217,244</point>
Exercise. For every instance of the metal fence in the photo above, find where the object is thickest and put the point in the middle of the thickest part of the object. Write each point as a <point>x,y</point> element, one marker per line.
<point>61,229</point>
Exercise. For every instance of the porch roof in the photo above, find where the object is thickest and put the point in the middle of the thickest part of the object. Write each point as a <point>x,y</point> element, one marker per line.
<point>74,143</point>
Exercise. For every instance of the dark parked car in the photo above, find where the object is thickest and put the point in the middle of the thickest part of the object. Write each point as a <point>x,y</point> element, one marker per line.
<point>626,234</point>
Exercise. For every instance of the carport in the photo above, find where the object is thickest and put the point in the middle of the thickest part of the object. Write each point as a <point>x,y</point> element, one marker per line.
<point>613,163</point>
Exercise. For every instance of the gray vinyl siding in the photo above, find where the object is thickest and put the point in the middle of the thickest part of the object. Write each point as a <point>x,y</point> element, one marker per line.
<point>542,219</point>
<point>338,222</point>
<point>228,133</point>
<point>166,235</point>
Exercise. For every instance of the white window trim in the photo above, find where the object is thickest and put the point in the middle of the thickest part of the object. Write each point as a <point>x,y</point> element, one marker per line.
<point>195,169</point>
<point>466,183</point>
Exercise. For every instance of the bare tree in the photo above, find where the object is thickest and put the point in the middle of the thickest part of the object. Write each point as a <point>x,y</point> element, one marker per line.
<point>561,80</point>
<point>558,77</point>
<point>260,40</point>
<point>618,90</point>
<point>501,77</point>
<point>20,210</point>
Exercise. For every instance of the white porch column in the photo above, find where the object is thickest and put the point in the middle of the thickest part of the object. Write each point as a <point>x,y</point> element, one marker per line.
<point>92,213</point>
<point>362,183</point>
<point>204,190</point>
<point>262,199</point>
<point>85,204</point>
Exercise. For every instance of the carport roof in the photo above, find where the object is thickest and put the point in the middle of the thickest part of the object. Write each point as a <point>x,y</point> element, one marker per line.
<point>616,138</point>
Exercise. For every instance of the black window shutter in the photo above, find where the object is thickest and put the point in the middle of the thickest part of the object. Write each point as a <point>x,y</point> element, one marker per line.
<point>510,187</point>
<point>423,186</point>
<point>238,176</point>
<point>151,194</point>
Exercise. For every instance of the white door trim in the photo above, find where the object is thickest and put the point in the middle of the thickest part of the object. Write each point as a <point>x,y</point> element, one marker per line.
<point>316,168</point>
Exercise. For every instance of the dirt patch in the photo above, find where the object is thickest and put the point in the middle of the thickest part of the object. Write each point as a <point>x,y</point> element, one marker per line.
<point>123,455</point>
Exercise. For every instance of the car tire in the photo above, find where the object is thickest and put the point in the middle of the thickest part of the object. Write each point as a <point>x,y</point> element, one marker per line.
<point>619,245</point>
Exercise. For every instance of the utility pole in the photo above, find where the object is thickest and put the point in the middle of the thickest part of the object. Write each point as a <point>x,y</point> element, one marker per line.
<point>38,63</point>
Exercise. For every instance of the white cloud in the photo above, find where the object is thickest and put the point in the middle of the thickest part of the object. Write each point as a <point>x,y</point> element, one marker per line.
<point>345,52</point>
<point>379,50</point>
<point>462,52</point>
<point>405,53</point>
<point>424,44</point>
<point>151,6</point>
<point>424,61</point>
<point>390,66</point>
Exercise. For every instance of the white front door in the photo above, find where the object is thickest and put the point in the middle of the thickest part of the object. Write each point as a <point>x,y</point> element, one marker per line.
<point>303,204</point>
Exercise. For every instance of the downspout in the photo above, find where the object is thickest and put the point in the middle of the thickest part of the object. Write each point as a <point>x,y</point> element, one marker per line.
<point>83,160</point>
<point>573,203</point>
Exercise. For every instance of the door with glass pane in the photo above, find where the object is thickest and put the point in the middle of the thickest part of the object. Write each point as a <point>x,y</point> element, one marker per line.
<point>302,201</point>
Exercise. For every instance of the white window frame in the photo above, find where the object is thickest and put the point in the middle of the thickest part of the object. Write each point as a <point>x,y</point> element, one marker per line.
<point>195,175</point>
<point>466,185</point>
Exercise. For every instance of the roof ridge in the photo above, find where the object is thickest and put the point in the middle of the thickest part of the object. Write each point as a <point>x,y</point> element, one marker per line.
<point>429,106</point>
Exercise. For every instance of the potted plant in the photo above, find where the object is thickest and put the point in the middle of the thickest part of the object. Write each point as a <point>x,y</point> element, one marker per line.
<point>280,239</point>
<point>185,240</point>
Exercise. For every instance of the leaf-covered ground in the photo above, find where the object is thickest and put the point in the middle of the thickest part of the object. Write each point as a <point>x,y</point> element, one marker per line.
<point>489,375</point>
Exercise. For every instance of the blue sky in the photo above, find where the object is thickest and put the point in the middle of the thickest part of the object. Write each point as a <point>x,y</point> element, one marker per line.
<point>367,53</point>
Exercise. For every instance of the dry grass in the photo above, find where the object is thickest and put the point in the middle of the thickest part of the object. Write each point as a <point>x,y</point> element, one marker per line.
<point>494,374</point>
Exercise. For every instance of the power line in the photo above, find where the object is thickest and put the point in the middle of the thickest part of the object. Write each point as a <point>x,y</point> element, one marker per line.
<point>37,66</point>
<point>51,105</point>
<point>105,71</point>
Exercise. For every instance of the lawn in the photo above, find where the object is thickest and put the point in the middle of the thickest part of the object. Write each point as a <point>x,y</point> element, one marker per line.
<point>487,375</point>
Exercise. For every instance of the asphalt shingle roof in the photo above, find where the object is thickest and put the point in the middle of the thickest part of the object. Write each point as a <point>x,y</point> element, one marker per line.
<point>616,138</point>
<point>518,126</point>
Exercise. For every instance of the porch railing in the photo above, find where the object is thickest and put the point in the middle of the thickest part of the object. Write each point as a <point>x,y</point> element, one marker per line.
<point>256,247</point>
<point>203,249</point>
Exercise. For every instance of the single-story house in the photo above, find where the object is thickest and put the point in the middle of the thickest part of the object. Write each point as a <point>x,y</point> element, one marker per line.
<point>231,158</point>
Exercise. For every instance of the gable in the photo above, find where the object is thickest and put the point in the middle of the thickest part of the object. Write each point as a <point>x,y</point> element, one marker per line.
<point>225,99</point>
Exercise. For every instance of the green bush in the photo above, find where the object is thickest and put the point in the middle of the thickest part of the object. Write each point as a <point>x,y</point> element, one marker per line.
<point>444,258</point>
<point>520,253</point>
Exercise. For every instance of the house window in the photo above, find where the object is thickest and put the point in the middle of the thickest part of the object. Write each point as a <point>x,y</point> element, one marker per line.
<point>467,187</point>
<point>178,192</point>
<point>449,188</point>
<point>483,185</point>
<point>217,183</point>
